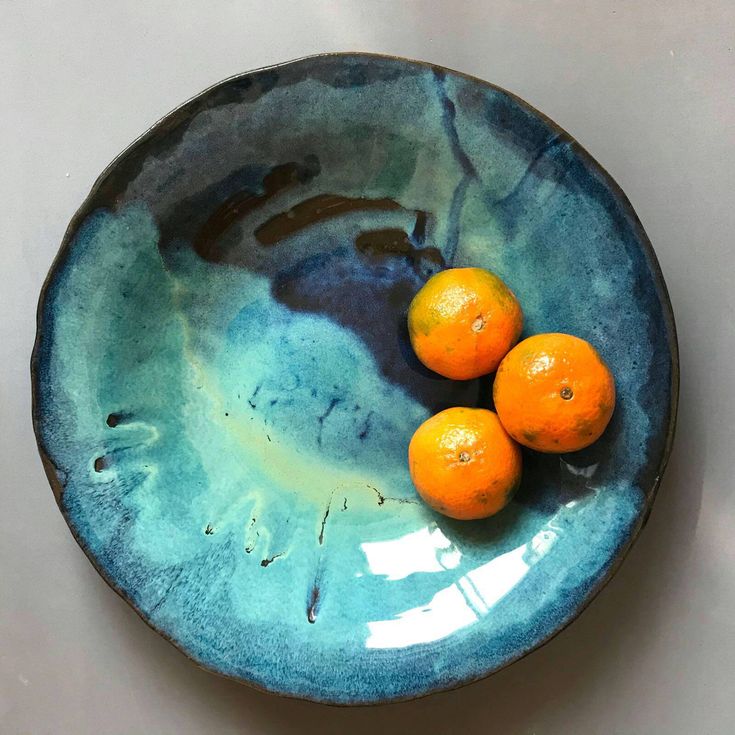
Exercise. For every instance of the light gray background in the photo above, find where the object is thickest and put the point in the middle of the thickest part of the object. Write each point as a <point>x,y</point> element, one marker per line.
<point>648,87</point>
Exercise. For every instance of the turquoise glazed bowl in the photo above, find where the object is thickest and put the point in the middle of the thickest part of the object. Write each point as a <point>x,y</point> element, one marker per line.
<point>224,390</point>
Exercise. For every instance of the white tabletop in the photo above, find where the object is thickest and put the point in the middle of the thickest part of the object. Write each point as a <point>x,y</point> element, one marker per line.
<point>647,87</point>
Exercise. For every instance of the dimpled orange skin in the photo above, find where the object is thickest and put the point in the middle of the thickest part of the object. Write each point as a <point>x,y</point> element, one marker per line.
<point>554,393</point>
<point>464,464</point>
<point>463,322</point>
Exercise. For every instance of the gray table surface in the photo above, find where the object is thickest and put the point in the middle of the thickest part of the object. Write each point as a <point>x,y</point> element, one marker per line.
<point>647,87</point>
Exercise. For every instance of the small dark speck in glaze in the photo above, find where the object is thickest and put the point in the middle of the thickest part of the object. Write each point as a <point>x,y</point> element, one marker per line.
<point>249,548</point>
<point>311,609</point>
<point>324,523</point>
<point>267,562</point>
<point>332,404</point>
<point>381,497</point>
<point>366,427</point>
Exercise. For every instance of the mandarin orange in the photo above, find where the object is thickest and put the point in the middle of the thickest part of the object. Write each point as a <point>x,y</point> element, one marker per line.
<point>464,464</point>
<point>554,393</point>
<point>463,322</point>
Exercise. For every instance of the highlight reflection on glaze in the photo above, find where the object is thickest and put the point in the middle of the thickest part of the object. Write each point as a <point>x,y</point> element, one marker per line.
<point>463,602</point>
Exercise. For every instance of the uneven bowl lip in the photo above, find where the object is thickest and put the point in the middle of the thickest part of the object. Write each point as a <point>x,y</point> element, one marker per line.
<point>668,315</point>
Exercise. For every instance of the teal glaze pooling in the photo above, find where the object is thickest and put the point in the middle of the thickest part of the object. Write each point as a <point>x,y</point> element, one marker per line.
<point>227,414</point>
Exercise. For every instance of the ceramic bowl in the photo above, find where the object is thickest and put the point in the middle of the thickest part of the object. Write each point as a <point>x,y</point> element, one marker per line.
<point>224,390</point>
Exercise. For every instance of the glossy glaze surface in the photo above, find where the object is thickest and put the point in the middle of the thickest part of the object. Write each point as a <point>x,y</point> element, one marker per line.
<point>225,390</point>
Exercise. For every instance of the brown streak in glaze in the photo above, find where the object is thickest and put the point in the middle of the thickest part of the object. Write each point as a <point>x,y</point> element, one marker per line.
<point>419,230</point>
<point>279,179</point>
<point>396,242</point>
<point>316,209</point>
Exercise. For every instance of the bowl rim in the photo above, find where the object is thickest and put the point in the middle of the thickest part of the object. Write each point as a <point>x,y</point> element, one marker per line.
<point>181,111</point>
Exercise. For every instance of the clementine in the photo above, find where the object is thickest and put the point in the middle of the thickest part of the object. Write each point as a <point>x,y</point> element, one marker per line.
<point>464,464</point>
<point>554,393</point>
<point>463,321</point>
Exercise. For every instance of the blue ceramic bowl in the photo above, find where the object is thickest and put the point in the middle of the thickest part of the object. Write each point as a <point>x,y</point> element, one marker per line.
<point>224,391</point>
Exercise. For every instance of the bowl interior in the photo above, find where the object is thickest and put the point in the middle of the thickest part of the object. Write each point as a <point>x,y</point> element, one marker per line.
<point>225,390</point>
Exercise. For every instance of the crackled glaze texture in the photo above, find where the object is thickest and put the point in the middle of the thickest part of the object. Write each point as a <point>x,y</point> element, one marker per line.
<point>224,388</point>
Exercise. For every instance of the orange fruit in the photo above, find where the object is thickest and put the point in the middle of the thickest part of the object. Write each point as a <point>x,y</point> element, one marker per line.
<point>464,464</point>
<point>554,393</point>
<point>463,321</point>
